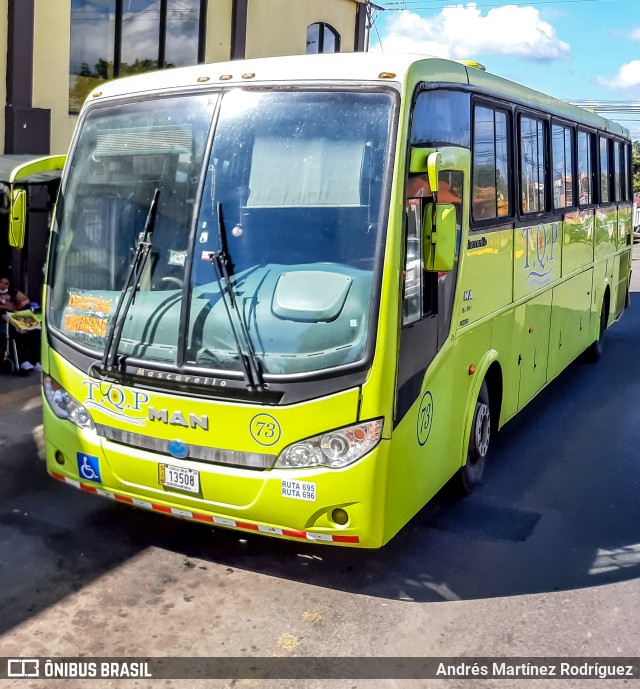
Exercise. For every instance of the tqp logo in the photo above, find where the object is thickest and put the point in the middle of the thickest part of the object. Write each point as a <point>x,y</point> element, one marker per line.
<point>23,667</point>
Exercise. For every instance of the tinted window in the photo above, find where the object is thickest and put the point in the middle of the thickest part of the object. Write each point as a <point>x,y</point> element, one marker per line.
<point>92,45</point>
<point>617,171</point>
<point>490,164</point>
<point>585,168</point>
<point>562,167</point>
<point>152,35</point>
<point>322,38</point>
<point>605,193</point>
<point>627,167</point>
<point>532,165</point>
<point>442,117</point>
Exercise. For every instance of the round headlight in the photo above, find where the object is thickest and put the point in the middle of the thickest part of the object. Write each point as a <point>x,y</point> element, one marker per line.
<point>334,446</point>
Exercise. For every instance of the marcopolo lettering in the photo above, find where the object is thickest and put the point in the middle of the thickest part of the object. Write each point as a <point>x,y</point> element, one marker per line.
<point>477,243</point>
<point>177,418</point>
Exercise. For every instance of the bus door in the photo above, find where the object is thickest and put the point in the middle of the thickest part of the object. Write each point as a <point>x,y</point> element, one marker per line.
<point>428,295</point>
<point>33,189</point>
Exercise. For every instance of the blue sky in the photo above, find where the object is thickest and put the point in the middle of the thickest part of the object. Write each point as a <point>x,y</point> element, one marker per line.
<point>571,49</point>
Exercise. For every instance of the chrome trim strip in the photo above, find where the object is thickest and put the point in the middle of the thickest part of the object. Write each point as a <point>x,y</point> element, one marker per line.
<point>214,455</point>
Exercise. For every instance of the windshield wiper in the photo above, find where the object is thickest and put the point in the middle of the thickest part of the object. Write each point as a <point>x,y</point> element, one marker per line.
<point>221,262</point>
<point>130,287</point>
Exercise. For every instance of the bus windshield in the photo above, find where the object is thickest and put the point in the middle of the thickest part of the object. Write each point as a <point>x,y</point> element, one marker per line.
<point>293,185</point>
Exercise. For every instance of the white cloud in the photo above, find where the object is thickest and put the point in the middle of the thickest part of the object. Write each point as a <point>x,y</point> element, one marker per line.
<point>635,34</point>
<point>628,77</point>
<point>464,32</point>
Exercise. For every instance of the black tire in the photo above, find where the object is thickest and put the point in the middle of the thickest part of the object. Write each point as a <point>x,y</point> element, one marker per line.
<point>470,474</point>
<point>596,349</point>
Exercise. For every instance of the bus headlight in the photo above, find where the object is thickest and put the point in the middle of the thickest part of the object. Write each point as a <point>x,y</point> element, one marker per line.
<point>66,407</point>
<point>335,449</point>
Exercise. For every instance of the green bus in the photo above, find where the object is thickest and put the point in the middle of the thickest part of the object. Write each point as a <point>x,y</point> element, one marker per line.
<point>296,296</point>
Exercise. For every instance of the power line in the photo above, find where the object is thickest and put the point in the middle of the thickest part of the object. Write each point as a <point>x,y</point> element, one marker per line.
<point>611,107</point>
<point>391,6</point>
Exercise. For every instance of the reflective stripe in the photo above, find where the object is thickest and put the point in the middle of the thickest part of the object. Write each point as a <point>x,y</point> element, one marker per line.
<point>196,516</point>
<point>224,522</point>
<point>319,537</point>
<point>203,517</point>
<point>105,494</point>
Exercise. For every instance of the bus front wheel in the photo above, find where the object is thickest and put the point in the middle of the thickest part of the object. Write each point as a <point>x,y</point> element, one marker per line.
<point>471,472</point>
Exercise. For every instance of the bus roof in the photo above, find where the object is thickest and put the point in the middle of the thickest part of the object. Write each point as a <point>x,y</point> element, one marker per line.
<point>396,68</point>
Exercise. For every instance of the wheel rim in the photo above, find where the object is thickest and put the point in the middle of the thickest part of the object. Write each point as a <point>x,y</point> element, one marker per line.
<point>482,430</point>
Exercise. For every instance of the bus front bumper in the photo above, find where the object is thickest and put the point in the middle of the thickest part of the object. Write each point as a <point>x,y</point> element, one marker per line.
<point>263,502</point>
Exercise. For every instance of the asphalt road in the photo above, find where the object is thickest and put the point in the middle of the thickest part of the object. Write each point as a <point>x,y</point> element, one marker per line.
<point>543,560</point>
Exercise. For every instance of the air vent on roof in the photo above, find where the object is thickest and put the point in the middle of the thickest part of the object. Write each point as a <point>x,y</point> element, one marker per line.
<point>474,64</point>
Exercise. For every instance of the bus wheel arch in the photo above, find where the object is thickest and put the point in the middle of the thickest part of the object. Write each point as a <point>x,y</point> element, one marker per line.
<point>596,348</point>
<point>484,422</point>
<point>493,379</point>
<point>606,305</point>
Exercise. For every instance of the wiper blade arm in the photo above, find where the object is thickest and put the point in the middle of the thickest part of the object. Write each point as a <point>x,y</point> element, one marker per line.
<point>221,262</point>
<point>130,287</point>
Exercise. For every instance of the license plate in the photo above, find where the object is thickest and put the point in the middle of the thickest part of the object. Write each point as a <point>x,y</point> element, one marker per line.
<point>180,478</point>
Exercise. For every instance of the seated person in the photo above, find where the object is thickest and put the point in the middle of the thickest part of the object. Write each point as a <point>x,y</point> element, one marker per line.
<point>27,343</point>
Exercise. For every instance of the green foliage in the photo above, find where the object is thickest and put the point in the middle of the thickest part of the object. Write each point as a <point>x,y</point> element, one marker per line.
<point>87,79</point>
<point>636,166</point>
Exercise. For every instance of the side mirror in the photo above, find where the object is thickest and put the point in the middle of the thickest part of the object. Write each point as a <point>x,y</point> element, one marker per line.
<point>17,218</point>
<point>439,237</point>
<point>426,160</point>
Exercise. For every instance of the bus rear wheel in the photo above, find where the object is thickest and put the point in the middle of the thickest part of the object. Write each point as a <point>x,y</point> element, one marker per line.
<point>596,349</point>
<point>470,474</point>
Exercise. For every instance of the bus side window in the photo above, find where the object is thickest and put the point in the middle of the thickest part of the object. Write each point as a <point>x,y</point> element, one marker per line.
<point>605,171</point>
<point>618,180</point>
<point>533,164</point>
<point>585,168</point>
<point>413,272</point>
<point>491,164</point>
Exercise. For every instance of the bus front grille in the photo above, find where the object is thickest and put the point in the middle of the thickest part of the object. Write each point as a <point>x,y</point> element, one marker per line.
<point>212,455</point>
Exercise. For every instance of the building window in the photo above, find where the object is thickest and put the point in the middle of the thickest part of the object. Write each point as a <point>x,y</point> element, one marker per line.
<point>111,38</point>
<point>322,38</point>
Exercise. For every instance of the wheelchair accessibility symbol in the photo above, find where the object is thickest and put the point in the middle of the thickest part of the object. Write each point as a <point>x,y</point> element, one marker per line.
<point>89,467</point>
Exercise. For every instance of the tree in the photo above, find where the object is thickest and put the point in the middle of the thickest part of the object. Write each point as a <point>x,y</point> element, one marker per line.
<point>636,166</point>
